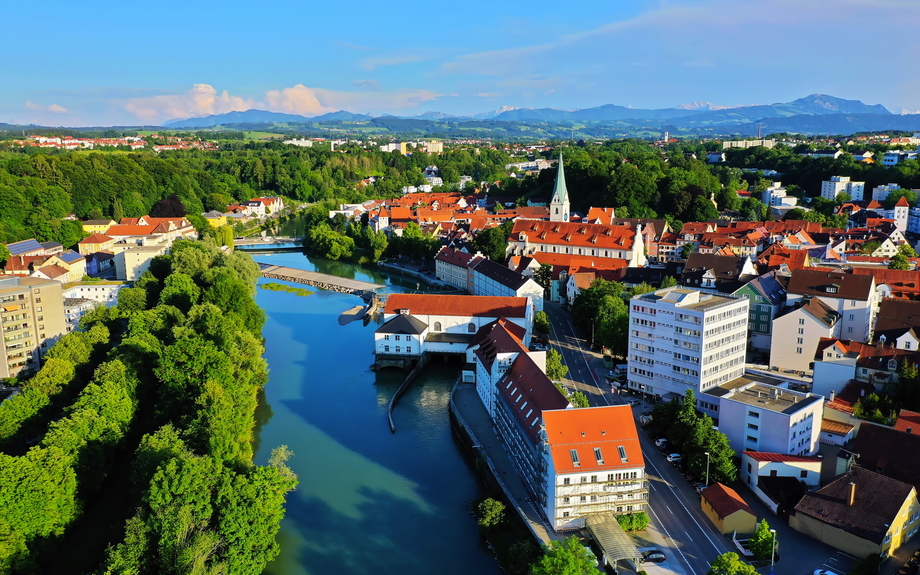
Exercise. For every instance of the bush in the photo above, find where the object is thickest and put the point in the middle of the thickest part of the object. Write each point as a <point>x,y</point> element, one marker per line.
<point>490,513</point>
<point>633,521</point>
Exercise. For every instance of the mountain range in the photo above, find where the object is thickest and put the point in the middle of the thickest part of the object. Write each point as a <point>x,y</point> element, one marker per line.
<point>697,114</point>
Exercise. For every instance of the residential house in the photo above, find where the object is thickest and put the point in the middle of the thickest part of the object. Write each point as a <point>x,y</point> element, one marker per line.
<point>215,219</point>
<point>488,278</point>
<point>26,248</point>
<point>273,204</point>
<point>727,510</point>
<point>95,243</point>
<point>105,293</point>
<point>767,296</point>
<point>860,513</point>
<point>852,296</point>
<point>97,226</point>
<point>840,406</point>
<point>31,320</point>
<point>802,325</point>
<point>714,272</point>
<point>779,480</point>
<point>708,335</point>
<point>908,422</point>
<point>597,240</point>
<point>74,309</point>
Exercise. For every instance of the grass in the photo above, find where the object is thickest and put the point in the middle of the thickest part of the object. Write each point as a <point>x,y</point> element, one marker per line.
<point>261,135</point>
<point>272,286</point>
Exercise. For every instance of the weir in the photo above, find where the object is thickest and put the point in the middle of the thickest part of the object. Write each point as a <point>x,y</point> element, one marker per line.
<point>322,281</point>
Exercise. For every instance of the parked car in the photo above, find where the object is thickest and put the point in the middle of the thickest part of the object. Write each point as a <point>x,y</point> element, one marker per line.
<point>654,555</point>
<point>634,402</point>
<point>661,442</point>
<point>675,458</point>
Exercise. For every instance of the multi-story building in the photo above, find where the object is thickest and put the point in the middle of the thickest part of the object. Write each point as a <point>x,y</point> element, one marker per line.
<point>775,195</point>
<point>488,278</point>
<point>759,417</point>
<point>842,184</point>
<point>767,295</point>
<point>593,464</point>
<point>599,240</point>
<point>880,192</point>
<point>681,339</point>
<point>31,320</point>
<point>134,261</point>
<point>802,325</point>
<point>853,296</point>
<point>105,293</point>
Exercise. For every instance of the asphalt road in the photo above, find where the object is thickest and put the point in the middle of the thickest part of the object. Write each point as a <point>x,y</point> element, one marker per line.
<point>691,540</point>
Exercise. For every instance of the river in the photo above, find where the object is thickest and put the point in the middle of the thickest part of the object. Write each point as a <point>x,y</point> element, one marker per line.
<point>369,501</point>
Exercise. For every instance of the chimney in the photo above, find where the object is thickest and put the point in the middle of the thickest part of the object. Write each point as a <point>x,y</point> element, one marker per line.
<point>833,394</point>
<point>851,494</point>
<point>773,393</point>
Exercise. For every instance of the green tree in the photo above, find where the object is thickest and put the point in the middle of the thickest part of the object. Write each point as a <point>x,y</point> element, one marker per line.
<point>541,324</point>
<point>579,399</point>
<point>555,370</point>
<point>730,564</point>
<point>668,281</point>
<point>899,262</point>
<point>493,242</point>
<point>907,251</point>
<point>544,277</point>
<point>567,557</point>
<point>4,255</point>
<point>686,250</point>
<point>489,513</point>
<point>761,542</point>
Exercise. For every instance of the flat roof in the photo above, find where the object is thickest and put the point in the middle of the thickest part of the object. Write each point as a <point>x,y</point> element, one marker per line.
<point>690,299</point>
<point>761,395</point>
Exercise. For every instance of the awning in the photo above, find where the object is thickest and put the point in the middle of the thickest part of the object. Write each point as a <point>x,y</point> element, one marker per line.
<point>614,542</point>
<point>10,307</point>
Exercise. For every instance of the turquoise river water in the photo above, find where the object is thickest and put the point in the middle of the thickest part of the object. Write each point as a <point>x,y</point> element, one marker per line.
<point>369,501</point>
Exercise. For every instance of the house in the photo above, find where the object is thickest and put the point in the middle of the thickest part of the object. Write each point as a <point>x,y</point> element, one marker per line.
<point>838,361</point>
<point>100,263</point>
<point>757,416</point>
<point>722,273</point>
<point>593,464</point>
<point>26,248</point>
<point>767,295</point>
<point>727,510</point>
<point>488,278</point>
<point>836,432</point>
<point>492,352</point>
<point>97,226</point>
<point>802,325</point>
<point>95,243</point>
<point>779,479</point>
<point>860,513</point>
<point>74,309</point>
<point>708,335</point>
<point>134,261</point>
<point>273,204</point>
<point>889,451</point>
<point>597,240</point>
<point>908,422</point>
<point>215,219</point>
<point>31,321</point>
<point>451,266</point>
<point>840,405</point>
<point>105,293</point>
<point>853,296</point>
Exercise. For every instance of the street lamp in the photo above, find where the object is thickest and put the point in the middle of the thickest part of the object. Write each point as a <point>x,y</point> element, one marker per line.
<point>707,468</point>
<point>772,550</point>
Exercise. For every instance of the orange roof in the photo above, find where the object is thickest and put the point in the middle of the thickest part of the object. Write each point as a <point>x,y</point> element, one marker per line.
<point>130,230</point>
<point>602,214</point>
<point>725,501</point>
<point>586,430</point>
<point>52,271</point>
<point>398,213</point>
<point>835,427</point>
<point>452,305</point>
<point>908,421</point>
<point>902,203</point>
<point>96,239</point>
<point>579,262</point>
<point>599,236</point>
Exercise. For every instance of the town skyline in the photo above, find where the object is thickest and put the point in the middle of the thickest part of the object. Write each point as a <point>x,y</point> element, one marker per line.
<point>646,55</point>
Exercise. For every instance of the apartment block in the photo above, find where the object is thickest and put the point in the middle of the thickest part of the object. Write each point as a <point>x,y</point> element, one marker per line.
<point>842,184</point>
<point>31,320</point>
<point>681,339</point>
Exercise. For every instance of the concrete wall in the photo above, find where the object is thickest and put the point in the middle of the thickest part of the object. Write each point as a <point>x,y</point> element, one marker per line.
<point>833,536</point>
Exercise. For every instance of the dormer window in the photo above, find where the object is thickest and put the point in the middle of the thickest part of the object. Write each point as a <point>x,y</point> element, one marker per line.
<point>832,288</point>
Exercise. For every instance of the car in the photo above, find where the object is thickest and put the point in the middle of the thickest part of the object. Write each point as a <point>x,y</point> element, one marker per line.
<point>824,572</point>
<point>675,458</point>
<point>654,555</point>
<point>661,442</point>
<point>633,402</point>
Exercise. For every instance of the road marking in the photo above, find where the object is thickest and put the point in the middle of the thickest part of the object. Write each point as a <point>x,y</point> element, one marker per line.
<point>665,529</point>
<point>688,535</point>
<point>669,510</point>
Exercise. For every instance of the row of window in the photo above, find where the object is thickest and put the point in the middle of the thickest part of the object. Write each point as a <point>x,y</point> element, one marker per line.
<point>386,348</point>
<point>620,509</point>
<point>602,498</point>
<point>623,476</point>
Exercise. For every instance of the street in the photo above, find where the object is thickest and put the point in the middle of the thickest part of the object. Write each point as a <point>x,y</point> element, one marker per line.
<point>679,527</point>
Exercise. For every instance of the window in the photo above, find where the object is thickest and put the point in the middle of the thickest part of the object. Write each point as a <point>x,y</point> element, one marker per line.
<point>749,467</point>
<point>598,456</point>
<point>593,498</point>
<point>582,499</point>
<point>397,349</point>
<point>801,330</point>
<point>565,480</point>
<point>594,479</point>
<point>584,478</point>
<point>803,473</point>
<point>471,328</point>
<point>772,473</point>
<point>408,349</point>
<point>853,303</point>
<point>753,414</point>
<point>437,326</point>
<point>752,426</point>
<point>752,439</point>
<point>386,348</point>
<point>849,330</point>
<point>396,337</point>
<point>610,477</point>
<point>38,308</point>
<point>906,345</point>
<point>565,499</point>
<point>852,317</point>
<point>798,350</point>
<point>622,451</point>
<point>564,513</point>
<point>801,321</point>
<point>799,340</point>
<point>574,455</point>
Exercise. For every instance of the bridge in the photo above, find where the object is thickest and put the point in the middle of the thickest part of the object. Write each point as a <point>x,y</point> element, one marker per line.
<point>266,241</point>
<point>322,281</point>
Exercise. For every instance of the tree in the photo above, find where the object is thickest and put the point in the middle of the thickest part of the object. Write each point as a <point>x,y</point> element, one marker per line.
<point>898,262</point>
<point>544,277</point>
<point>579,399</point>
<point>761,542</point>
<point>753,209</point>
<point>567,557</point>
<point>668,281</point>
<point>489,513</point>
<point>4,255</point>
<point>686,250</point>
<point>907,250</point>
<point>730,564</point>
<point>555,370</point>
<point>541,324</point>
<point>493,242</point>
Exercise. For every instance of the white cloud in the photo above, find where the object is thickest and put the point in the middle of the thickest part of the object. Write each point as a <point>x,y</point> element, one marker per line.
<point>53,108</point>
<point>201,100</point>
<point>367,84</point>
<point>295,100</point>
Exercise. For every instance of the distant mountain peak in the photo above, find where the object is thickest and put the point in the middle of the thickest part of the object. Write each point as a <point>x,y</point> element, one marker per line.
<point>703,106</point>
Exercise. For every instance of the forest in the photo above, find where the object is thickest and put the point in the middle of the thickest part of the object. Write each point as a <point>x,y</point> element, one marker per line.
<point>130,452</point>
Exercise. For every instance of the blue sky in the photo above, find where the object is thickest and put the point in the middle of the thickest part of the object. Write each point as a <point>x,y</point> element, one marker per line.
<point>128,63</point>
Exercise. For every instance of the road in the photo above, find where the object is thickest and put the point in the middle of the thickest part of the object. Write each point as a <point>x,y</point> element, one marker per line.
<point>691,540</point>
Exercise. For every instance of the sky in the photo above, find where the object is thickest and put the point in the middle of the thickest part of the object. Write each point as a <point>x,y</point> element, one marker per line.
<point>111,62</point>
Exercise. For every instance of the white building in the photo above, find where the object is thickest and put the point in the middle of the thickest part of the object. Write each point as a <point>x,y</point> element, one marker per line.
<point>134,261</point>
<point>853,296</point>
<point>452,266</point>
<point>303,143</point>
<point>880,193</point>
<point>760,417</point>
<point>681,339</point>
<point>775,195</point>
<point>105,293</point>
<point>842,184</point>
<point>802,326</point>
<point>488,278</point>
<point>766,473</point>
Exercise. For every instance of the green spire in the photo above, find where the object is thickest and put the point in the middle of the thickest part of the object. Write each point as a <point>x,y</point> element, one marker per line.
<point>560,193</point>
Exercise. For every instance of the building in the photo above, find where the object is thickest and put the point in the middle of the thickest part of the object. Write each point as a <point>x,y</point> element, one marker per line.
<point>779,479</point>
<point>803,326</point>
<point>488,278</point>
<point>756,416</point>
<point>95,243</point>
<point>842,184</point>
<point>594,465</point>
<point>860,513</point>
<point>97,226</point>
<point>853,296</point>
<point>775,195</point>
<point>491,353</point>
<point>134,261</point>
<point>889,451</point>
<point>748,143</point>
<point>880,193</point>
<point>682,339</point>
<point>452,266</point>
<point>32,314</point>
<point>714,272</point>
<point>433,147</point>
<point>598,240</point>
<point>105,293</point>
<point>727,510</point>
<point>559,203</point>
<point>767,295</point>
<point>74,309</point>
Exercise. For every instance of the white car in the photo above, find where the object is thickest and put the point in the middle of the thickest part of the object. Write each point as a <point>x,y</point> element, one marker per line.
<point>675,458</point>
<point>824,572</point>
<point>661,442</point>
<point>633,402</point>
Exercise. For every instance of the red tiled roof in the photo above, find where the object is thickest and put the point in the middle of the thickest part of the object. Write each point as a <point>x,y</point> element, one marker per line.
<point>606,428</point>
<point>96,239</point>
<point>597,236</point>
<point>580,262</point>
<point>902,203</point>
<point>849,395</point>
<point>130,230</point>
<point>764,456</point>
<point>452,305</point>
<point>454,257</point>
<point>908,422</point>
<point>725,501</point>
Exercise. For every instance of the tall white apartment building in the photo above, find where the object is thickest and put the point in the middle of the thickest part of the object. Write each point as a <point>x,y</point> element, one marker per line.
<point>880,193</point>
<point>841,184</point>
<point>681,339</point>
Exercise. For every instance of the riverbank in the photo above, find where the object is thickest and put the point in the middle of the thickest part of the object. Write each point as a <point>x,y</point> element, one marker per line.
<point>402,269</point>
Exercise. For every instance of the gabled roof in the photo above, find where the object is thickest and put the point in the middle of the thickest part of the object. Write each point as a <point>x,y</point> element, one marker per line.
<point>529,394</point>
<point>898,313</point>
<point>98,222</point>
<point>852,392</point>
<point>831,284</point>
<point>904,284</point>
<point>725,501</point>
<point>583,430</point>
<point>819,310</point>
<point>592,236</point>
<point>96,238</point>
<point>877,503</point>
<point>24,247</point>
<point>499,274</point>
<point>453,305</point>
<point>68,256</point>
<point>902,203</point>
<point>888,451</point>
<point>51,245</point>
<point>499,336</point>
<point>119,230</point>
<point>908,422</point>
<point>780,457</point>
<point>403,324</point>
<point>52,271</point>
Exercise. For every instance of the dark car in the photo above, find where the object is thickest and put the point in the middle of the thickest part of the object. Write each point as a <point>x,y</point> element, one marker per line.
<point>655,556</point>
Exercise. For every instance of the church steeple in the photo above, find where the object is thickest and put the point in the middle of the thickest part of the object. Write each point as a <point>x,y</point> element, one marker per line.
<point>559,204</point>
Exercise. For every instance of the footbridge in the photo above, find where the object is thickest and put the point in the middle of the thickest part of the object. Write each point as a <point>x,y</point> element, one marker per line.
<point>322,281</point>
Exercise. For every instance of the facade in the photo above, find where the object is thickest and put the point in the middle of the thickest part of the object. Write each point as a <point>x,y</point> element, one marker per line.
<point>493,352</point>
<point>682,339</point>
<point>32,314</point>
<point>727,510</point>
<point>488,278</point>
<point>74,309</point>
<point>842,184</point>
<point>763,472</point>
<point>95,243</point>
<point>802,325</point>
<point>134,261</point>
<point>97,226</point>
<point>853,296</point>
<point>594,464</point>
<point>767,295</point>
<point>451,266</point>
<point>597,240</point>
<point>768,418</point>
<point>775,195</point>
<point>105,293</point>
<point>860,513</point>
